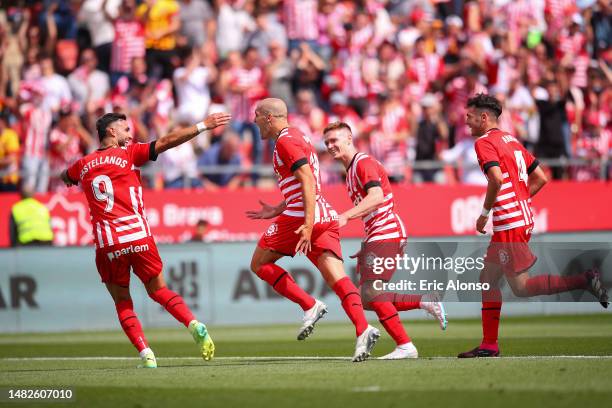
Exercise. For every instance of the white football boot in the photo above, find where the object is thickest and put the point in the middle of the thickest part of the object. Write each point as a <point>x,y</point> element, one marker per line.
<point>311,316</point>
<point>431,303</point>
<point>365,343</point>
<point>402,352</point>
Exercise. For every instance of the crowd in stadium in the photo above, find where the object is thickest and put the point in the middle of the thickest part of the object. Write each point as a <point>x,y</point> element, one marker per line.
<point>399,72</point>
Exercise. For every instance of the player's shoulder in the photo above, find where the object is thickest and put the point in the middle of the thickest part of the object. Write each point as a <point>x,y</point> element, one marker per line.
<point>291,137</point>
<point>363,160</point>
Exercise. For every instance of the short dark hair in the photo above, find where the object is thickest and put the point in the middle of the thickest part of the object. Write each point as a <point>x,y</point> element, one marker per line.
<point>105,121</point>
<point>482,101</point>
<point>337,125</point>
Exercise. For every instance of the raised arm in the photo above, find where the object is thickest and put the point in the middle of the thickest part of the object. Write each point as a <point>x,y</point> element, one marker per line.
<point>182,135</point>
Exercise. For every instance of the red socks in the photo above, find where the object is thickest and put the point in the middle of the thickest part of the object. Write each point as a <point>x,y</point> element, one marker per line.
<point>406,302</point>
<point>174,304</point>
<point>389,318</point>
<point>351,303</point>
<point>130,324</point>
<point>284,285</point>
<point>491,309</point>
<point>551,284</point>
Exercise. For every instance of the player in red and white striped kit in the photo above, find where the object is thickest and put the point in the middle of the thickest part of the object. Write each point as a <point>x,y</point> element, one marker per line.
<point>370,191</point>
<point>514,176</point>
<point>122,236</point>
<point>305,224</point>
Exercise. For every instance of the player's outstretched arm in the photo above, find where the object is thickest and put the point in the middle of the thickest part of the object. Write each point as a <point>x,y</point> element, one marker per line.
<point>536,181</point>
<point>494,175</point>
<point>182,135</point>
<point>373,199</point>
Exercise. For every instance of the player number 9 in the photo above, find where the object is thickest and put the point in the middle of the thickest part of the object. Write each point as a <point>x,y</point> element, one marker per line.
<point>106,195</point>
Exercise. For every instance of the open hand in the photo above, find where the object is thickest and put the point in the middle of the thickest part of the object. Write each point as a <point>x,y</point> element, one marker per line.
<point>216,119</point>
<point>304,245</point>
<point>265,212</point>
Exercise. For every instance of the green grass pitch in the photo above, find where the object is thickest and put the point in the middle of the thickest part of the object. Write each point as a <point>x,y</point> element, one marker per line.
<point>556,361</point>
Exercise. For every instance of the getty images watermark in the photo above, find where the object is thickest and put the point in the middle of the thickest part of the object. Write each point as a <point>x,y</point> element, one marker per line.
<point>454,270</point>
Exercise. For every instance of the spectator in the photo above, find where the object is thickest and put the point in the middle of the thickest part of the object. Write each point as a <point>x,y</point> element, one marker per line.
<point>89,84</point>
<point>30,222</point>
<point>197,23</point>
<point>162,24</point>
<point>279,74</point>
<point>54,86</point>
<point>430,131</point>
<point>266,32</point>
<point>68,141</point>
<point>98,16</point>
<point>309,118</point>
<point>13,29</point>
<point>35,120</point>
<point>9,155</point>
<point>368,63</point>
<point>602,28</point>
<point>200,232</point>
<point>224,153</point>
<point>553,118</point>
<point>244,81</point>
<point>179,166</point>
<point>129,42</point>
<point>192,86</point>
<point>233,26</point>
<point>463,154</point>
<point>300,17</point>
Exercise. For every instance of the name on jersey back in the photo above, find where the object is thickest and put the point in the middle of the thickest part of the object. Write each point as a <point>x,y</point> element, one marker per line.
<point>98,161</point>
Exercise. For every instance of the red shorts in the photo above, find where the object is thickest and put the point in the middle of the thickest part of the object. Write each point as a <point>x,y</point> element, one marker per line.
<point>281,237</point>
<point>141,256</point>
<point>510,250</point>
<point>370,259</point>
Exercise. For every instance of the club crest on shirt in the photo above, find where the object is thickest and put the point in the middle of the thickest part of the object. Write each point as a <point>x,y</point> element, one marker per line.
<point>504,256</point>
<point>272,229</point>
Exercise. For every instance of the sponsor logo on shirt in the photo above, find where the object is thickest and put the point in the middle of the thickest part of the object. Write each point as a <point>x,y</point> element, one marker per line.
<point>127,250</point>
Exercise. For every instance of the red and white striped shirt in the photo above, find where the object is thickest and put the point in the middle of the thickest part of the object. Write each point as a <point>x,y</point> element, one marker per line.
<point>425,70</point>
<point>242,104</point>
<point>36,126</point>
<point>111,184</point>
<point>512,207</point>
<point>354,84</point>
<point>129,43</point>
<point>382,223</point>
<point>558,10</point>
<point>301,19</point>
<point>293,150</point>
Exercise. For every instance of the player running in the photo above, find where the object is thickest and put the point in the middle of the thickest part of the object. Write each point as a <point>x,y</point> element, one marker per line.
<point>306,224</point>
<point>370,191</point>
<point>514,176</point>
<point>121,232</point>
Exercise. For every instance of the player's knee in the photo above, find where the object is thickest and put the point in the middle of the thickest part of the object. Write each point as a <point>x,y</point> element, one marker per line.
<point>520,291</point>
<point>255,266</point>
<point>367,296</point>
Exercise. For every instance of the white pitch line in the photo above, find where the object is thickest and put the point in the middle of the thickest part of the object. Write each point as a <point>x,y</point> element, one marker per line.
<point>313,358</point>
